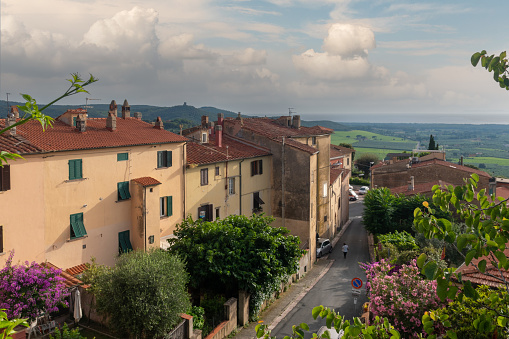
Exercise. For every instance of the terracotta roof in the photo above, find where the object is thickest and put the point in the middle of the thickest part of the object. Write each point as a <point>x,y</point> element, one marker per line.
<point>335,173</point>
<point>78,269</point>
<point>338,151</point>
<point>450,165</point>
<point>69,280</point>
<point>419,188</point>
<point>62,137</point>
<point>17,144</point>
<point>210,153</point>
<point>471,273</point>
<point>193,129</point>
<point>147,181</point>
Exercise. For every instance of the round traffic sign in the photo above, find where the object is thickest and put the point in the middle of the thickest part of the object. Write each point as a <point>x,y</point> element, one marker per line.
<point>356,283</point>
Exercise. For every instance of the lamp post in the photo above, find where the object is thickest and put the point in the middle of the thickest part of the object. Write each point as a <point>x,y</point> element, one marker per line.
<point>370,182</point>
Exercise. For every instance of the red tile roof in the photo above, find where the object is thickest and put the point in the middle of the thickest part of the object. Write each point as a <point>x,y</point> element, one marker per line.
<point>17,144</point>
<point>471,273</point>
<point>78,269</point>
<point>69,280</point>
<point>335,173</point>
<point>62,137</point>
<point>339,151</point>
<point>450,165</point>
<point>147,181</point>
<point>210,153</point>
<point>419,188</point>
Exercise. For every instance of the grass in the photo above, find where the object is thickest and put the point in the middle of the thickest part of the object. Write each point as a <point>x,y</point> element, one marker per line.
<point>350,137</point>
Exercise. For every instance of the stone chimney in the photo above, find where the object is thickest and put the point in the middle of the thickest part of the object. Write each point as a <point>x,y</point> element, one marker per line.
<point>113,108</point>
<point>411,185</point>
<point>219,135</point>
<point>111,122</point>
<point>211,129</point>
<point>9,122</point>
<point>220,118</point>
<point>15,112</point>
<point>81,123</point>
<point>296,121</point>
<point>159,123</point>
<point>240,118</point>
<point>137,115</point>
<point>461,161</point>
<point>204,120</point>
<point>126,110</point>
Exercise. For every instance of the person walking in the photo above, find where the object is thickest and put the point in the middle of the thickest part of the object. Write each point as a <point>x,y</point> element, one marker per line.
<point>345,249</point>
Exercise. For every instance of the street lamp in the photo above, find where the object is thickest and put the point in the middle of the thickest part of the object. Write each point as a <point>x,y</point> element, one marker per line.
<point>370,182</point>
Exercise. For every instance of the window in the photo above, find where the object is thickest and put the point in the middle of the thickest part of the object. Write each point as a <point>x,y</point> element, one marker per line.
<point>217,170</point>
<point>257,202</point>
<point>164,159</point>
<point>217,212</point>
<point>166,204</point>
<point>124,242</point>
<point>123,191</point>
<point>324,194</point>
<point>204,176</point>
<point>77,227</point>
<point>151,239</point>
<point>5,178</point>
<point>347,161</point>
<point>205,212</point>
<point>74,121</point>
<point>1,239</point>
<point>204,137</point>
<point>313,140</point>
<point>231,186</point>
<point>256,167</point>
<point>75,169</point>
<point>122,156</point>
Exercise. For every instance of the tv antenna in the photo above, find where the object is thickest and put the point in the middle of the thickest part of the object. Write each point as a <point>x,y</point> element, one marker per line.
<point>290,112</point>
<point>86,102</point>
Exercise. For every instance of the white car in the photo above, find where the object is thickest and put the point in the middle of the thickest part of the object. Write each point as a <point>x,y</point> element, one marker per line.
<point>363,190</point>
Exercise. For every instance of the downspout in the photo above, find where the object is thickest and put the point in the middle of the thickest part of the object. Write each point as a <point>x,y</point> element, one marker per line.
<point>283,183</point>
<point>240,186</point>
<point>227,190</point>
<point>184,160</point>
<point>145,216</point>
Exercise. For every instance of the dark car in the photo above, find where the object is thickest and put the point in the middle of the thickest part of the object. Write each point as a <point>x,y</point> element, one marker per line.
<point>323,246</point>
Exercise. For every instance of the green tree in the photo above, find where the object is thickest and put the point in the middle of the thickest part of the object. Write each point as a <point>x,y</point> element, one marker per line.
<point>431,144</point>
<point>344,144</point>
<point>144,294</point>
<point>487,233</point>
<point>237,253</point>
<point>496,64</point>
<point>31,110</point>
<point>365,161</point>
<point>65,333</point>
<point>378,211</point>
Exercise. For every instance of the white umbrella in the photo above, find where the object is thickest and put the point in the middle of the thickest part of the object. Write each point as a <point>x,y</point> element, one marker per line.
<point>77,306</point>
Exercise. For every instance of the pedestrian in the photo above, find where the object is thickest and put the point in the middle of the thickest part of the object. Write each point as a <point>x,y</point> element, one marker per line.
<point>345,249</point>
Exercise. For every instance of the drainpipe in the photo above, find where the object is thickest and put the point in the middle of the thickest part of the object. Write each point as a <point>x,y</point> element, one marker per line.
<point>184,160</point>
<point>240,186</point>
<point>283,183</point>
<point>145,215</point>
<point>227,183</point>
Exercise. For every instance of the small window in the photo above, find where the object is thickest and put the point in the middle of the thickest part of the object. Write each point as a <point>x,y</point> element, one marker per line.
<point>122,156</point>
<point>205,212</point>
<point>164,159</point>
<point>217,212</point>
<point>324,194</point>
<point>74,121</point>
<point>166,206</point>
<point>124,242</point>
<point>123,191</point>
<point>204,176</point>
<point>231,186</point>
<point>75,169</point>
<point>204,137</point>
<point>257,202</point>
<point>217,170</point>
<point>313,140</point>
<point>256,167</point>
<point>151,239</point>
<point>5,178</point>
<point>347,161</point>
<point>77,226</point>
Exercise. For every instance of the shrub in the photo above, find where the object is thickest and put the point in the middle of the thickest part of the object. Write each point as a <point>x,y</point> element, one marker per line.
<point>359,181</point>
<point>198,314</point>
<point>65,333</point>
<point>402,240</point>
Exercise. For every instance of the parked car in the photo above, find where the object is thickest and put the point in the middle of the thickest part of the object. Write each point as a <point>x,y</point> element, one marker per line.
<point>353,195</point>
<point>363,190</point>
<point>323,246</point>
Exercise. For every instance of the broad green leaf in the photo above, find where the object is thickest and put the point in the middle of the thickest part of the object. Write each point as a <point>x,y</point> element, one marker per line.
<point>461,242</point>
<point>430,269</point>
<point>482,265</point>
<point>421,260</point>
<point>451,294</point>
<point>491,243</point>
<point>502,321</point>
<point>316,311</point>
<point>469,256</point>
<point>475,176</point>
<point>330,319</point>
<point>469,291</point>
<point>260,330</point>
<point>475,59</point>
<point>501,257</point>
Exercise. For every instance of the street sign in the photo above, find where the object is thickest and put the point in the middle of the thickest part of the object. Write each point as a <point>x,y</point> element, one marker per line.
<point>356,283</point>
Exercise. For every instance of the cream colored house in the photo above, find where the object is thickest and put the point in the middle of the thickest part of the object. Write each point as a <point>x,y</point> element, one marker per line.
<point>225,175</point>
<point>90,187</point>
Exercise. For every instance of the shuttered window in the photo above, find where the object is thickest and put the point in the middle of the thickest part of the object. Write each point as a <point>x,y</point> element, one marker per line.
<point>204,176</point>
<point>166,206</point>
<point>124,242</point>
<point>164,159</point>
<point>256,167</point>
<point>123,190</point>
<point>75,169</point>
<point>77,226</point>
<point>122,156</point>
<point>5,178</point>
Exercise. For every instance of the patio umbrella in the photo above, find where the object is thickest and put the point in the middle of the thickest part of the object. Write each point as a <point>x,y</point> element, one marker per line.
<point>77,306</point>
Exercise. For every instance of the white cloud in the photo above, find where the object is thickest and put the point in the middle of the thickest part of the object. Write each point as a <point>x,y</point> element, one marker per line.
<point>249,56</point>
<point>348,40</point>
<point>183,47</point>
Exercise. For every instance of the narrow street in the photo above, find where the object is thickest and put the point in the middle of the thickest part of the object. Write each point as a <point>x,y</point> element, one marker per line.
<point>334,289</point>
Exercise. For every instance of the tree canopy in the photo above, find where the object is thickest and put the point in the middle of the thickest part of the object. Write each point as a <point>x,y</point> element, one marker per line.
<point>365,161</point>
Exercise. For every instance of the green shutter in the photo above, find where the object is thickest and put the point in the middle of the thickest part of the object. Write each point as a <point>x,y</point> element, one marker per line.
<point>122,156</point>
<point>81,225</point>
<point>124,243</point>
<point>169,206</point>
<point>123,190</point>
<point>127,241</point>
<point>71,170</point>
<point>77,226</point>
<point>168,158</point>
<point>159,159</point>
<point>75,169</point>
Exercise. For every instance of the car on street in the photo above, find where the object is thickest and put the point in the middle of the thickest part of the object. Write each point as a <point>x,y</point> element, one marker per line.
<point>363,190</point>
<point>323,246</point>
<point>353,196</point>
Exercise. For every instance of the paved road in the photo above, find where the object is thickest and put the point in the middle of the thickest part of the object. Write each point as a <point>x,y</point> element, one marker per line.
<point>334,290</point>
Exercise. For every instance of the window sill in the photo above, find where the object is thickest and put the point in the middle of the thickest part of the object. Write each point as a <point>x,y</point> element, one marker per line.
<point>161,168</point>
<point>75,239</point>
<point>123,200</point>
<point>75,180</point>
<point>165,217</point>
<point>3,253</point>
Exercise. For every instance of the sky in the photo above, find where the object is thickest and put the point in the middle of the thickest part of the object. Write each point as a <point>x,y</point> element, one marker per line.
<point>340,60</point>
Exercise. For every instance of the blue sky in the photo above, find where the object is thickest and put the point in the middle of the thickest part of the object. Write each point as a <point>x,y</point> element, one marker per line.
<point>343,60</point>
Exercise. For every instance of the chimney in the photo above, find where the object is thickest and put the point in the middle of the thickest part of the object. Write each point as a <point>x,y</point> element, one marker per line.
<point>159,123</point>
<point>9,122</point>
<point>126,110</point>
<point>240,118</point>
<point>204,120</point>
<point>113,108</point>
<point>211,128</point>
<point>411,186</point>
<point>296,121</point>
<point>220,118</point>
<point>461,161</point>
<point>137,115</point>
<point>111,122</point>
<point>81,123</point>
<point>219,135</point>
<point>15,112</point>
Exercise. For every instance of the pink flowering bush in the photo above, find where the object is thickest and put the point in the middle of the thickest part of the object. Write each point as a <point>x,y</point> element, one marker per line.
<point>30,289</point>
<point>401,295</point>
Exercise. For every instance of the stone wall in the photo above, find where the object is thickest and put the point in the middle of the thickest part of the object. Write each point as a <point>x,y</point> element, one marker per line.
<point>227,326</point>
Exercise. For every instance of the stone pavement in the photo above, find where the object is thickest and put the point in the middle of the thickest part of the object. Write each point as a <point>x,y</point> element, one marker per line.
<point>276,311</point>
